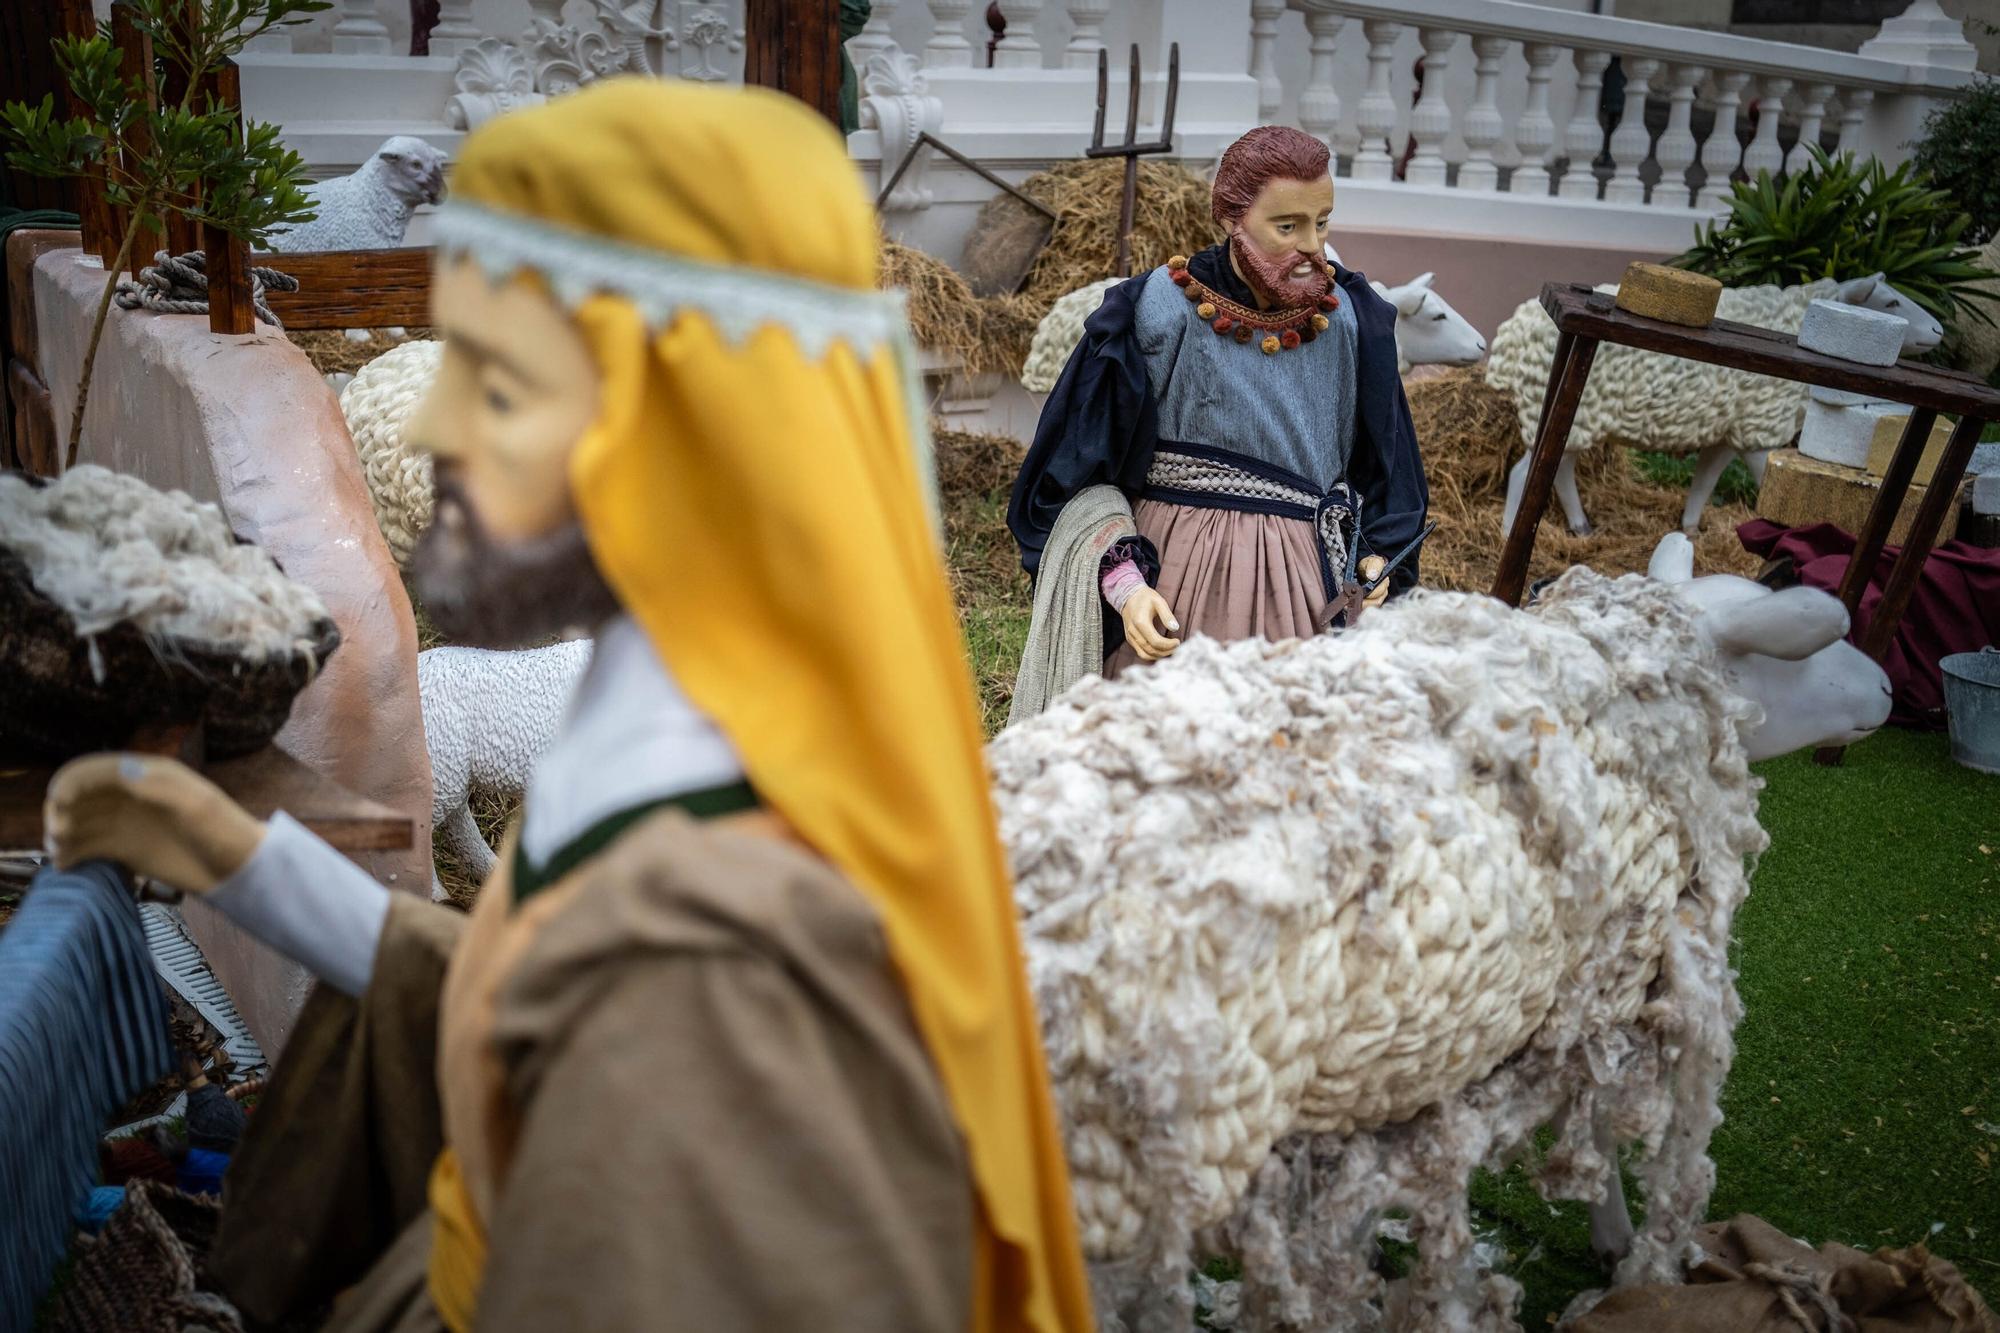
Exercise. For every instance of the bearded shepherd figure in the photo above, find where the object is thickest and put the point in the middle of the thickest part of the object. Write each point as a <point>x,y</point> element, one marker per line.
<point>1229,451</point>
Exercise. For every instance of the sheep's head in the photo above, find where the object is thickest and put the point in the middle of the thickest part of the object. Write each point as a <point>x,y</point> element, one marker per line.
<point>415,169</point>
<point>1428,331</point>
<point>1786,652</point>
<point>1923,332</point>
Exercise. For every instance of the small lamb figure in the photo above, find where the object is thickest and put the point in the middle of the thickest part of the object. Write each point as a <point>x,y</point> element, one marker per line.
<point>488,716</point>
<point>1318,927</point>
<point>370,209</point>
<point>1652,401</point>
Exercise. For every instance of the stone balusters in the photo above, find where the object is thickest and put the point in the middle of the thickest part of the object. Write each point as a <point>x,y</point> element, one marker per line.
<point>1854,104</point>
<point>1584,136</point>
<point>1430,121</point>
<point>1812,114</point>
<point>1763,153</point>
<point>1631,143</point>
<point>360,30</point>
<point>1721,151</point>
<point>1675,151</point>
<point>948,47</point>
<point>1535,134</point>
<point>1375,114</point>
<point>874,38</point>
<point>1319,104</point>
<point>455,30</point>
<point>1483,125</point>
<point>1086,36</point>
<point>1020,46</point>
<point>1264,16</point>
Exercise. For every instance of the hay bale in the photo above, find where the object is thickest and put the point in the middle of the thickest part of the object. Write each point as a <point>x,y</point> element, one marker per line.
<point>333,353</point>
<point>985,333</point>
<point>1170,217</point>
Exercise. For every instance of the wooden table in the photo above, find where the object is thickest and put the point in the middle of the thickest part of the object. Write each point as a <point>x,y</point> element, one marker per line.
<point>1585,318</point>
<point>262,783</point>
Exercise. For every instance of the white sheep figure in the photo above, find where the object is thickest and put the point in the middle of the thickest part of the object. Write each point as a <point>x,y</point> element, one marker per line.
<point>1428,331</point>
<point>370,209</point>
<point>1652,401</point>
<point>1318,927</point>
<point>377,403</point>
<point>488,716</point>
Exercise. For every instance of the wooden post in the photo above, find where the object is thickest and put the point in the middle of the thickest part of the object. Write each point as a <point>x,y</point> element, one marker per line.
<point>28,74</point>
<point>1567,377</point>
<point>230,308</point>
<point>98,236</point>
<point>135,51</point>
<point>182,234</point>
<point>794,46</point>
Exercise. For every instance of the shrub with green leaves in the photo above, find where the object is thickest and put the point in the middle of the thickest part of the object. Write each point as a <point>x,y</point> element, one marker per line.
<point>183,157</point>
<point>1837,218</point>
<point>1960,152</point>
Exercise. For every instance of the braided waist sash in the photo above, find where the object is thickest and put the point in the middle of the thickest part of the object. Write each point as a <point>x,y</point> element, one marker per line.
<point>1210,478</point>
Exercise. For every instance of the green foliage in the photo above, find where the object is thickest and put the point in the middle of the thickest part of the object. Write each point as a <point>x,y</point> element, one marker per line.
<point>1840,219</point>
<point>185,157</point>
<point>1960,152</point>
<point>1675,472</point>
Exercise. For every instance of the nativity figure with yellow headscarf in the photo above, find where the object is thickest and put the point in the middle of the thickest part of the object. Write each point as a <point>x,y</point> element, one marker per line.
<point>738,1034</point>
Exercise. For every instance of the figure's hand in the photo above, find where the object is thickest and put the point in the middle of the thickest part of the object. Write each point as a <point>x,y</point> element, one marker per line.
<point>1149,623</point>
<point>1371,565</point>
<point>158,818</point>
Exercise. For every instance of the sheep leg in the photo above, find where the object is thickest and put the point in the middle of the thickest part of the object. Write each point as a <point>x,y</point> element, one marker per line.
<point>460,835</point>
<point>1611,1229</point>
<point>1572,503</point>
<point>1708,470</point>
<point>1517,482</point>
<point>1755,462</point>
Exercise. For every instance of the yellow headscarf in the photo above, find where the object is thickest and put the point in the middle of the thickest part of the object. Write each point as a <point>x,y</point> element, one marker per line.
<point>754,494</point>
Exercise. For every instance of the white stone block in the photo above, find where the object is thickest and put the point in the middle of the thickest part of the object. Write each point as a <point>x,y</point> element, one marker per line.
<point>1842,435</point>
<point>1986,493</point>
<point>1853,333</point>
<point>1841,397</point>
<point>1985,458</point>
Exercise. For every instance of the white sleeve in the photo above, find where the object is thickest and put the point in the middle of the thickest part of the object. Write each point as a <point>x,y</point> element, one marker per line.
<point>309,902</point>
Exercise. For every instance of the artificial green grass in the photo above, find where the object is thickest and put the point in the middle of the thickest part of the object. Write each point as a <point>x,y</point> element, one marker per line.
<point>1864,1103</point>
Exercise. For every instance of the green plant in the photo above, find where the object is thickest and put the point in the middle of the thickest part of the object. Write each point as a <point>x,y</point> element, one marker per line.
<point>1960,151</point>
<point>184,157</point>
<point>1675,472</point>
<point>1840,219</point>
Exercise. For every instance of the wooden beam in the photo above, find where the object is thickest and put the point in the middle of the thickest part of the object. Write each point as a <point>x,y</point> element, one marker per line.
<point>28,74</point>
<point>99,238</point>
<point>135,51</point>
<point>352,289</point>
<point>230,308</point>
<point>794,46</point>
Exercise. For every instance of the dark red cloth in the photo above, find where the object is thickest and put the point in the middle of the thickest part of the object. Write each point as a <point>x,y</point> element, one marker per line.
<point>1955,609</point>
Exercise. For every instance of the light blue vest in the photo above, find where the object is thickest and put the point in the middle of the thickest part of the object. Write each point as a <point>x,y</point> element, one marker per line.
<point>1294,409</point>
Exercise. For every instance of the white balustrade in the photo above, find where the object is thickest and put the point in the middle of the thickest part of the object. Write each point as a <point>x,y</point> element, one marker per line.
<point>948,47</point>
<point>1264,16</point>
<point>1086,36</point>
<point>1763,153</point>
<point>1584,136</point>
<point>874,38</point>
<point>1854,105</point>
<point>1812,114</point>
<point>455,30</point>
<point>360,31</point>
<point>1319,104</point>
<point>1535,135</point>
<point>1721,151</point>
<point>1631,141</point>
<point>1020,46</point>
<point>1376,116</point>
<point>1430,119</point>
<point>1676,150</point>
<point>1483,125</point>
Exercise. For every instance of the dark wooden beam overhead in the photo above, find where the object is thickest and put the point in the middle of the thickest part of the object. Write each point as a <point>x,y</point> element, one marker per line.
<point>794,46</point>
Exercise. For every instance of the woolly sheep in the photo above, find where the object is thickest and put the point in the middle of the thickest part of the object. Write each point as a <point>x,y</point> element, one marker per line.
<point>1317,927</point>
<point>370,209</point>
<point>377,403</point>
<point>488,716</point>
<point>1428,331</point>
<point>1652,401</point>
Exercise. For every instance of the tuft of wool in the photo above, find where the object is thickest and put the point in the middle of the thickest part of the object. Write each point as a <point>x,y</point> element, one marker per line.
<point>1316,927</point>
<point>1059,333</point>
<point>378,403</point>
<point>1651,401</point>
<point>110,550</point>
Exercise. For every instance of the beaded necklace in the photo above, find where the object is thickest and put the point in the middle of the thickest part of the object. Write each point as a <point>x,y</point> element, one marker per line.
<point>1282,329</point>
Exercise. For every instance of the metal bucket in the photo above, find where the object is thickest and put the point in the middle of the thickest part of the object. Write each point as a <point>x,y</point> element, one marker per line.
<point>1972,697</point>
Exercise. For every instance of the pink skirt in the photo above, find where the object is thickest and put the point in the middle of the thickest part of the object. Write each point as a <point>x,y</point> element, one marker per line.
<point>1231,575</point>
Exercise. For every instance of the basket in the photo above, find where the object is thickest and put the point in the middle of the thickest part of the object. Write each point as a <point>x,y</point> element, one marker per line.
<point>57,705</point>
<point>142,1275</point>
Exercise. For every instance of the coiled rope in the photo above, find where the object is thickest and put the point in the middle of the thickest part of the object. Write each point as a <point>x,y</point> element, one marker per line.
<point>178,285</point>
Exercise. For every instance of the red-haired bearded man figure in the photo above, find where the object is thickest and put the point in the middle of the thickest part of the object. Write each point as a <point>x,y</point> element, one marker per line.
<point>1228,450</point>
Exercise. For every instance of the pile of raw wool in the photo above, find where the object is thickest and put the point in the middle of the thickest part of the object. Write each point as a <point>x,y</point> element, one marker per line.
<point>1469,433</point>
<point>110,550</point>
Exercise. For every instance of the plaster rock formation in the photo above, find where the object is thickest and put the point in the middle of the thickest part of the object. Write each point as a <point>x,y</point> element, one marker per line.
<point>377,403</point>
<point>488,716</point>
<point>1317,927</point>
